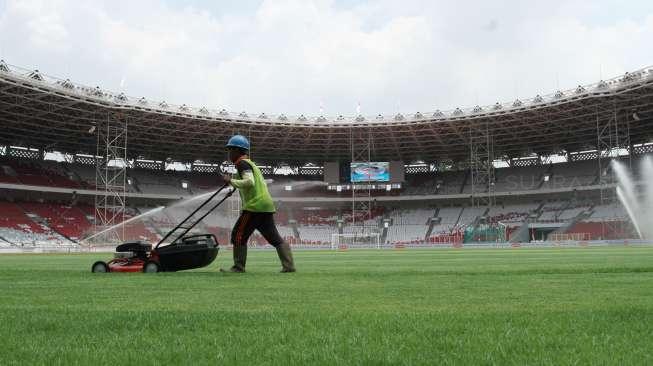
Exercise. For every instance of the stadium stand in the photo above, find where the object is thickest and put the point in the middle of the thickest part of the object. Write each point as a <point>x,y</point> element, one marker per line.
<point>69,221</point>
<point>574,174</point>
<point>406,233</point>
<point>511,179</point>
<point>513,213</point>
<point>51,221</point>
<point>19,228</point>
<point>610,212</point>
<point>150,181</point>
<point>7,175</point>
<point>41,173</point>
<point>202,182</point>
<point>84,173</point>
<point>314,234</point>
<point>432,204</point>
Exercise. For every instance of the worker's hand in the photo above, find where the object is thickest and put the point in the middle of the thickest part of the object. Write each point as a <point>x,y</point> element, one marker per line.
<point>226,178</point>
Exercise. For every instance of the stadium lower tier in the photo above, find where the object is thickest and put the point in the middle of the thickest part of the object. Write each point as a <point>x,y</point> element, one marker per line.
<point>49,203</point>
<point>43,224</point>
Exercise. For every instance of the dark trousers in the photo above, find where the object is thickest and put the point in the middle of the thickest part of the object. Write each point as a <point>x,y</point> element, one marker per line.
<point>250,221</point>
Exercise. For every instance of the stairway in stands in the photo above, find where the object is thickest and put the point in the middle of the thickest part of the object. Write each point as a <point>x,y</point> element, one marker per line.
<point>68,221</point>
<point>432,222</point>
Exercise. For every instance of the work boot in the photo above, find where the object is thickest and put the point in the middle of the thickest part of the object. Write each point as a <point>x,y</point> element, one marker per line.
<point>285,256</point>
<point>240,258</point>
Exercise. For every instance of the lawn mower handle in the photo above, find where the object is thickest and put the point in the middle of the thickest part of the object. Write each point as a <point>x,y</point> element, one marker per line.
<point>205,215</point>
<point>194,212</point>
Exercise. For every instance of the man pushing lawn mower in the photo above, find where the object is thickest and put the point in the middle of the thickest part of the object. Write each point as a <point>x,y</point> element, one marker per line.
<point>258,208</point>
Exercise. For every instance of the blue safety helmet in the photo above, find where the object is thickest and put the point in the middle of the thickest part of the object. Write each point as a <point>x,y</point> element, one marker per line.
<point>238,141</point>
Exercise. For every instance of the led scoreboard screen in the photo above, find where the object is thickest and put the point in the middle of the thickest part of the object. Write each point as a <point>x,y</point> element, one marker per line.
<point>370,172</point>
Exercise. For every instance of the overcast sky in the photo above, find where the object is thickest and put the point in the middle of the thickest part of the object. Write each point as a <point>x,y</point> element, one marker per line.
<point>298,56</point>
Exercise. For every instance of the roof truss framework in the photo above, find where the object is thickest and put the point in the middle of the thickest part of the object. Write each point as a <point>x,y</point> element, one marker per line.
<point>36,114</point>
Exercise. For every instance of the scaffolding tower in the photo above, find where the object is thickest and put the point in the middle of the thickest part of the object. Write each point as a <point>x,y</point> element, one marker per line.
<point>361,195</point>
<point>612,139</point>
<point>111,176</point>
<point>481,165</point>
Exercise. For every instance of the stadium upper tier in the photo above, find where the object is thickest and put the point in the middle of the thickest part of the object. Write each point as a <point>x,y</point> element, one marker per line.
<point>45,112</point>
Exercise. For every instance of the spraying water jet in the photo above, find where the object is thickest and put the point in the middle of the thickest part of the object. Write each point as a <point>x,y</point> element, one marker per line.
<point>638,203</point>
<point>156,210</point>
<point>139,217</point>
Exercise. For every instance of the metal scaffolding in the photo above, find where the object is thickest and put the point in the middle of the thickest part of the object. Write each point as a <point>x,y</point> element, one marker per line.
<point>481,165</point>
<point>111,176</point>
<point>612,139</point>
<point>361,195</point>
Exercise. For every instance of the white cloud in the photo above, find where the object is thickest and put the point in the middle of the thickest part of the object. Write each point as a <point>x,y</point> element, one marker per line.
<point>291,55</point>
<point>44,25</point>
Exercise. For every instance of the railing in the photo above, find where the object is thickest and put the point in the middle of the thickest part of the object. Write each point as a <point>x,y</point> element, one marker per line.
<point>121,100</point>
<point>556,237</point>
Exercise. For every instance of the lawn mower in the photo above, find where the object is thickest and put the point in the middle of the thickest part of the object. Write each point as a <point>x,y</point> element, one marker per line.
<point>182,252</point>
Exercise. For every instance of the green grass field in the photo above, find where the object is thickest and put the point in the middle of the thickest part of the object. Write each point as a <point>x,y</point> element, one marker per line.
<point>410,307</point>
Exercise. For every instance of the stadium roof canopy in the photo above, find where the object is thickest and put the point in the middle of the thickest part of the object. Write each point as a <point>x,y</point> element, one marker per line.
<point>53,114</point>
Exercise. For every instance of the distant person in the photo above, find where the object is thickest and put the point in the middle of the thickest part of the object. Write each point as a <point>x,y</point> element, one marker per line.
<point>258,208</point>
